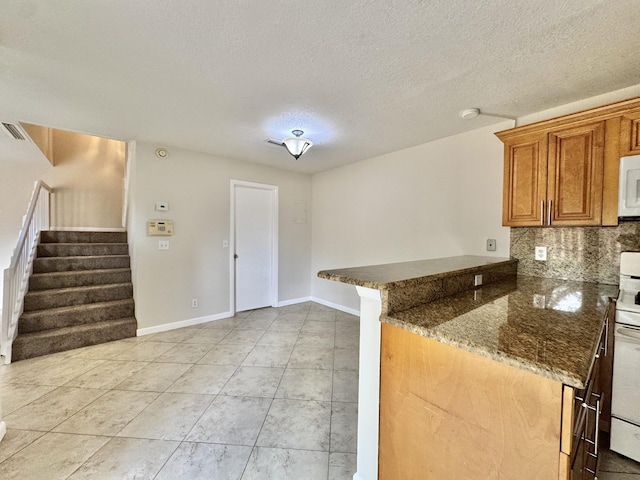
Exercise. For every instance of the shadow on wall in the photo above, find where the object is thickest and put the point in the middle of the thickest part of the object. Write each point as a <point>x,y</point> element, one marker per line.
<point>87,178</point>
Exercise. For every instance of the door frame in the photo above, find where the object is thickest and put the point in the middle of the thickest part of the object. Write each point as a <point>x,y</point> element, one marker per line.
<point>273,295</point>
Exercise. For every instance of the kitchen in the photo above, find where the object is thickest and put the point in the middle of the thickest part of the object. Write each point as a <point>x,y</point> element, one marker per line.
<point>414,296</point>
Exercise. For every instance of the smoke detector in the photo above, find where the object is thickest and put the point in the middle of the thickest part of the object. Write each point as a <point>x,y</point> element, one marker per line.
<point>470,113</point>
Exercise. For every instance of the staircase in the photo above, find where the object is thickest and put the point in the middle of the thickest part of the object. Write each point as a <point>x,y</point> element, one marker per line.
<point>80,294</point>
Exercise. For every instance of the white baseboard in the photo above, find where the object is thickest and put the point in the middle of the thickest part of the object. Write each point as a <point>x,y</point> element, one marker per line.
<point>342,308</point>
<point>182,323</point>
<point>3,429</point>
<point>294,301</point>
<point>88,229</point>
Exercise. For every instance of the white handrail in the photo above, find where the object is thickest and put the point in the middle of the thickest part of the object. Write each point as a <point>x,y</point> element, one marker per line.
<point>16,277</point>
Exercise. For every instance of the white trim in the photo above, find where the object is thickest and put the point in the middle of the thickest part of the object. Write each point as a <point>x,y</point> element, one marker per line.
<point>342,308</point>
<point>294,301</point>
<point>232,240</point>
<point>3,429</point>
<point>369,383</point>
<point>182,323</point>
<point>357,476</point>
<point>88,229</point>
<point>130,153</point>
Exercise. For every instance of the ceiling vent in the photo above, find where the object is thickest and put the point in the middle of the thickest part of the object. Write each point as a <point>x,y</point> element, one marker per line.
<point>14,130</point>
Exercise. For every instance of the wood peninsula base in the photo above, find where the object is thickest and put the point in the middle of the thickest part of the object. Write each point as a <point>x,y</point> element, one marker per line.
<point>449,413</point>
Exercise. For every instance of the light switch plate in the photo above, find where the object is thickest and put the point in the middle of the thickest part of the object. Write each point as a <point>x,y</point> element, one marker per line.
<point>162,206</point>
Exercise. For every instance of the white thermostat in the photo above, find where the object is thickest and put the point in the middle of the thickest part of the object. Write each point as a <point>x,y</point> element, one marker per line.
<point>160,227</point>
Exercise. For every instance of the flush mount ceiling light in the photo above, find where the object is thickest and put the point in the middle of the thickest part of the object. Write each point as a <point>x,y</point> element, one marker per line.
<point>297,144</point>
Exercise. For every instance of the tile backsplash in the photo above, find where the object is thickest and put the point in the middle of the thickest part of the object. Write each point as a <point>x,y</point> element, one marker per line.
<point>588,254</point>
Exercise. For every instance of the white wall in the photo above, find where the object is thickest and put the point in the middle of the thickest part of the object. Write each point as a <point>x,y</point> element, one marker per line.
<point>16,187</point>
<point>87,183</point>
<point>439,199</point>
<point>87,178</point>
<point>197,187</point>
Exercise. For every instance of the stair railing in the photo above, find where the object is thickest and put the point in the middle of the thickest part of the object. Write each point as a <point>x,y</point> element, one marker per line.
<point>16,277</point>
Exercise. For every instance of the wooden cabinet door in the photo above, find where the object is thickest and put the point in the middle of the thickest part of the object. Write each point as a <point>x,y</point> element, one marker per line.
<point>630,134</point>
<point>575,171</point>
<point>525,180</point>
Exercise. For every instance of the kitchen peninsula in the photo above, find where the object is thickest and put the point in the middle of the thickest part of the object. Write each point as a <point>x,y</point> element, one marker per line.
<point>469,371</point>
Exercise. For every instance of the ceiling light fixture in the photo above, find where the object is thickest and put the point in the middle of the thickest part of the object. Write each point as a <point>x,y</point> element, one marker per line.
<point>297,144</point>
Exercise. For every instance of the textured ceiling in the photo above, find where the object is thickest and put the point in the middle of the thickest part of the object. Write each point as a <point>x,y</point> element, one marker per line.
<point>361,78</point>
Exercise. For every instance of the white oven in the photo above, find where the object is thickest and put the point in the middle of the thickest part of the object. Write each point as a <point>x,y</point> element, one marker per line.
<point>625,396</point>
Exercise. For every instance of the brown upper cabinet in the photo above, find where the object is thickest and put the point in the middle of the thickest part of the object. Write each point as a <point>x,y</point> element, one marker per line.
<point>630,134</point>
<point>564,171</point>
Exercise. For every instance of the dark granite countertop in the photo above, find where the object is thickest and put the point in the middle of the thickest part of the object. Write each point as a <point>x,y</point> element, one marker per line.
<point>394,275</point>
<point>550,327</point>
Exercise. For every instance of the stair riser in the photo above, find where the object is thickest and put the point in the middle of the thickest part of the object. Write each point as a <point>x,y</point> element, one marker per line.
<point>81,249</point>
<point>62,264</point>
<point>59,340</point>
<point>50,319</point>
<point>78,279</point>
<point>83,237</point>
<point>53,299</point>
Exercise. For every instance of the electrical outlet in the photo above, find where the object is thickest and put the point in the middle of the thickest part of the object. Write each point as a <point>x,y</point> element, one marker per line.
<point>491,245</point>
<point>541,254</point>
<point>163,245</point>
<point>194,303</point>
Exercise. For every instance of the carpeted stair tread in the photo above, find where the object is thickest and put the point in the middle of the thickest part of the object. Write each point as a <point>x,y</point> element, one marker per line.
<point>35,344</point>
<point>78,278</point>
<point>80,293</point>
<point>52,236</point>
<point>81,249</point>
<point>50,318</point>
<point>67,264</point>
<point>60,297</point>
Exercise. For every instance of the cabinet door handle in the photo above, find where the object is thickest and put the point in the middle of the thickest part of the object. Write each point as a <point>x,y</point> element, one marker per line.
<point>606,333</point>
<point>597,435</point>
<point>549,212</point>
<point>542,213</point>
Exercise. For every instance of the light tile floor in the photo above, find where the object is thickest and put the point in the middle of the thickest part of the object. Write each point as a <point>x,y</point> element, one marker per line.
<point>616,467</point>
<point>268,394</point>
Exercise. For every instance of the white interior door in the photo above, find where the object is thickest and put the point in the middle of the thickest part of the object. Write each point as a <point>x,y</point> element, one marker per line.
<point>255,215</point>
